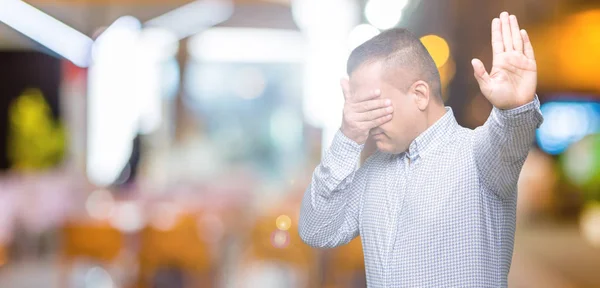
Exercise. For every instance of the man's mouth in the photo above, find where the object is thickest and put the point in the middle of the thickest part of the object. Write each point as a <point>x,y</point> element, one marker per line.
<point>377,134</point>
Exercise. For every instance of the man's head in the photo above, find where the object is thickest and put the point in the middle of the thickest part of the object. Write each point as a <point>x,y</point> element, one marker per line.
<point>396,62</point>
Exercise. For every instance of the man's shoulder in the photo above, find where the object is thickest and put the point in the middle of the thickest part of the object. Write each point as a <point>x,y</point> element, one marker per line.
<point>462,133</point>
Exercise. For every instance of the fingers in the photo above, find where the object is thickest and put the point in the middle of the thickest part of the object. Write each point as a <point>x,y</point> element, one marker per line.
<point>365,97</point>
<point>506,34</point>
<point>372,105</point>
<point>497,43</point>
<point>481,75</point>
<point>357,97</point>
<point>374,114</point>
<point>379,121</point>
<point>516,34</point>
<point>363,111</point>
<point>350,97</point>
<point>345,87</point>
<point>527,48</point>
<point>356,125</point>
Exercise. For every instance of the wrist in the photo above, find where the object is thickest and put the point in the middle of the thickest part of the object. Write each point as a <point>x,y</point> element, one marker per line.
<point>359,140</point>
<point>348,136</point>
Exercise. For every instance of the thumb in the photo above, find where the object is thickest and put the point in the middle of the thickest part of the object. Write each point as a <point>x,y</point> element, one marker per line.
<point>345,87</point>
<point>482,77</point>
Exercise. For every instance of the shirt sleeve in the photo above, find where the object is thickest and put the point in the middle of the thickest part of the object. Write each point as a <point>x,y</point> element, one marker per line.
<point>331,203</point>
<point>501,146</point>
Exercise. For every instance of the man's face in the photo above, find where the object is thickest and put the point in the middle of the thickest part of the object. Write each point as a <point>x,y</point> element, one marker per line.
<point>396,135</point>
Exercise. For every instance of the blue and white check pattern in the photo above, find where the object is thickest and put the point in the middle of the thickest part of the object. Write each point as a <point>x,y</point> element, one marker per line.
<point>440,215</point>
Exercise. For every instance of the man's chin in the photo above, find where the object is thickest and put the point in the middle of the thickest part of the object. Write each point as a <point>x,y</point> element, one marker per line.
<point>383,146</point>
<point>386,147</point>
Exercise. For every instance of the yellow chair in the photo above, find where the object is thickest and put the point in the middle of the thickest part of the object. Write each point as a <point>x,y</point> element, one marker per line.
<point>97,241</point>
<point>180,247</point>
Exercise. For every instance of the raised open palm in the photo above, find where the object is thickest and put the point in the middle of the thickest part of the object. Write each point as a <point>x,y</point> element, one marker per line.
<point>513,79</point>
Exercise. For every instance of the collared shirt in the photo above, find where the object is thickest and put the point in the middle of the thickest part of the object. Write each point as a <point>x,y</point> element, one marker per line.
<point>446,218</point>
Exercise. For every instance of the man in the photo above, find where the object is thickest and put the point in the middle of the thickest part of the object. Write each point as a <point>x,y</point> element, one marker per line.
<point>435,204</point>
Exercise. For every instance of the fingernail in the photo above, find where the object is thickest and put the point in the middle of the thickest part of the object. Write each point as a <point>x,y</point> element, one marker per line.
<point>388,102</point>
<point>377,92</point>
<point>389,109</point>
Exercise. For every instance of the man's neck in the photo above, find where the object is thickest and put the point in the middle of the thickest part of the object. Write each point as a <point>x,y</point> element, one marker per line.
<point>435,114</point>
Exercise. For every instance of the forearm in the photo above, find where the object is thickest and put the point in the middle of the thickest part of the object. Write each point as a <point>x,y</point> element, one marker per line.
<point>515,130</point>
<point>328,215</point>
<point>326,222</point>
<point>502,144</point>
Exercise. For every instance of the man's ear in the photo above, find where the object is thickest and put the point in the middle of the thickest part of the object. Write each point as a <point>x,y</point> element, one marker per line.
<point>422,94</point>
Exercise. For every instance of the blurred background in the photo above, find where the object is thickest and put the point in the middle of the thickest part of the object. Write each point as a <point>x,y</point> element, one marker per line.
<point>149,143</point>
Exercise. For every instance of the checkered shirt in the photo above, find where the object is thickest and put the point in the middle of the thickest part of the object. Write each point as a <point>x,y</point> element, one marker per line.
<point>441,214</point>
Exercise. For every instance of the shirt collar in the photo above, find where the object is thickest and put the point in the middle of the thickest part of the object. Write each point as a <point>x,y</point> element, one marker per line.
<point>432,137</point>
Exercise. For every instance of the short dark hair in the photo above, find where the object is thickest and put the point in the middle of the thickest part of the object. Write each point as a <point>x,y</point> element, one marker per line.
<point>398,48</point>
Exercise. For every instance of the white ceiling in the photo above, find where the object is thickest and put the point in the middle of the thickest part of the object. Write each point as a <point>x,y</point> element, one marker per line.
<point>88,18</point>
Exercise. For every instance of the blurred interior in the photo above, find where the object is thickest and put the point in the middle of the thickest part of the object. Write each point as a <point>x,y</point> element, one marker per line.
<point>148,143</point>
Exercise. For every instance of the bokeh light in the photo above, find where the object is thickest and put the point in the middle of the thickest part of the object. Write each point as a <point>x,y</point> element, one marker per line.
<point>384,14</point>
<point>113,100</point>
<point>579,33</point>
<point>157,43</point>
<point>581,165</point>
<point>100,204</point>
<point>48,31</point>
<point>280,239</point>
<point>566,123</point>
<point>438,48</point>
<point>447,72</point>
<point>97,277</point>
<point>247,45</point>
<point>127,217</point>
<point>361,34</point>
<point>283,222</point>
<point>590,224</point>
<point>164,216</point>
<point>321,17</point>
